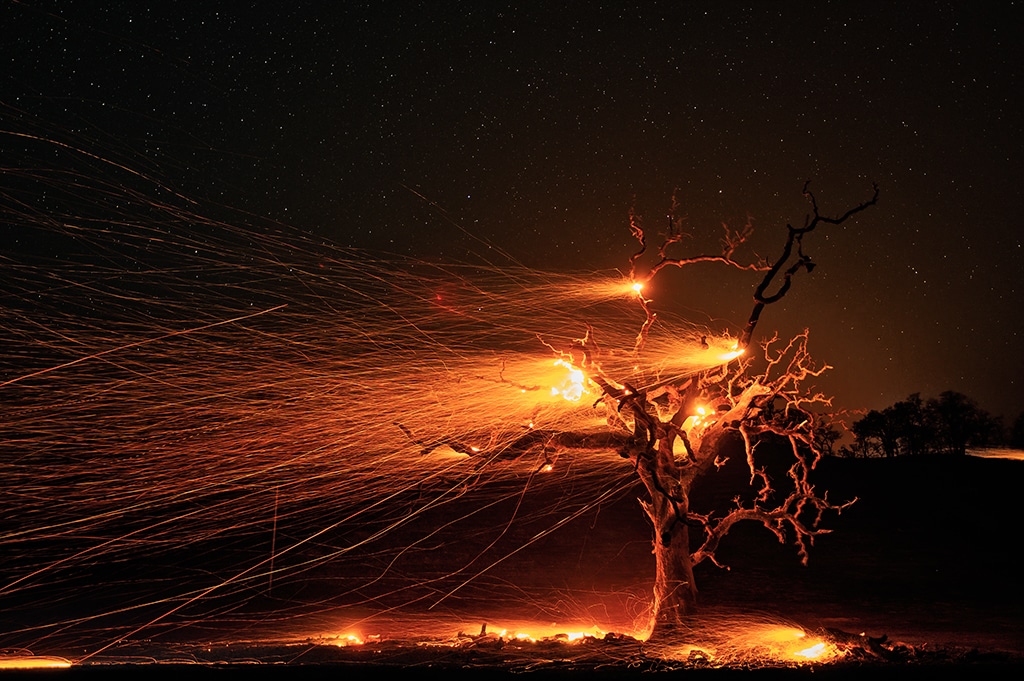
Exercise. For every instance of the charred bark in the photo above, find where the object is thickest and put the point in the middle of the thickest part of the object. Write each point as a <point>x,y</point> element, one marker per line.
<point>675,592</point>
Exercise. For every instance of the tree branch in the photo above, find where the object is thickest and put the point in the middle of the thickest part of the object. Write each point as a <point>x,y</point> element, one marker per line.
<point>794,240</point>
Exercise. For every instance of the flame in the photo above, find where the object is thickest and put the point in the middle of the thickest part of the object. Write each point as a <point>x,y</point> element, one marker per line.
<point>345,641</point>
<point>574,386</point>
<point>762,642</point>
<point>550,633</point>
<point>788,643</point>
<point>732,354</point>
<point>602,289</point>
<point>702,416</point>
<point>33,662</point>
<point>813,653</point>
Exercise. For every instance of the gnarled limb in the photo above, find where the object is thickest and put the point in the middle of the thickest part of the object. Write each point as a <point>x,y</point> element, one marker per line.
<point>794,241</point>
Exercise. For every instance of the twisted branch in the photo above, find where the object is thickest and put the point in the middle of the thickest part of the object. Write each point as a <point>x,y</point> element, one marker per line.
<point>794,241</point>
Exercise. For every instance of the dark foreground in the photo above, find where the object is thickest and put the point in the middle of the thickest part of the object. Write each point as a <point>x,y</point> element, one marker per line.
<point>591,660</point>
<point>613,656</point>
<point>924,564</point>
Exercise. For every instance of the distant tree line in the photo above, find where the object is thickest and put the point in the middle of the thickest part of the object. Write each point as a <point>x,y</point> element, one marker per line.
<point>947,424</point>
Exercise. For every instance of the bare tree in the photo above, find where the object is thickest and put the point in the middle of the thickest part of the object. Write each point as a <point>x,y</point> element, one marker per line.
<point>679,433</point>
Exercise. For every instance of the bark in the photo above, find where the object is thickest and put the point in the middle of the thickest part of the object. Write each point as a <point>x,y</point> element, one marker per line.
<point>668,484</point>
<point>675,593</point>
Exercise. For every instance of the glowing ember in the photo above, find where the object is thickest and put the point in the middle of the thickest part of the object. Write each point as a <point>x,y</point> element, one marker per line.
<point>551,633</point>
<point>731,355</point>
<point>573,387</point>
<point>349,640</point>
<point>33,662</point>
<point>701,417</point>
<point>791,644</point>
<point>747,642</point>
<point>814,652</point>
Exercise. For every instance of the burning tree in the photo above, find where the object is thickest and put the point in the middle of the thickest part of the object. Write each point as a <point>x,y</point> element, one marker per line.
<point>237,398</point>
<point>676,433</point>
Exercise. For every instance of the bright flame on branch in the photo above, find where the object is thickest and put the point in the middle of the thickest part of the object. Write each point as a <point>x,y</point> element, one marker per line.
<point>731,354</point>
<point>574,387</point>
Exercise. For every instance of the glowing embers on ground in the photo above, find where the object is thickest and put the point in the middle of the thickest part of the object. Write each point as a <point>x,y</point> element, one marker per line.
<point>727,642</point>
<point>348,640</point>
<point>532,633</point>
<point>730,642</point>
<point>26,660</point>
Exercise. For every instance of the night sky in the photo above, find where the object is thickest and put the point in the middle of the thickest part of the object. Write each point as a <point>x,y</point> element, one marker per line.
<point>506,132</point>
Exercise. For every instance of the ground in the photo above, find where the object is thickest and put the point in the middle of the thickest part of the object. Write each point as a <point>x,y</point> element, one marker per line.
<point>924,558</point>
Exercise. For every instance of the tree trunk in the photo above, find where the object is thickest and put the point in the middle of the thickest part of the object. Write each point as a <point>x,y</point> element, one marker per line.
<point>668,483</point>
<point>675,594</point>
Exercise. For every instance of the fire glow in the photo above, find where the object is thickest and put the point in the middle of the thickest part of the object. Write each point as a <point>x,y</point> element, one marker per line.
<point>33,662</point>
<point>751,642</point>
<point>284,425</point>
<point>574,387</point>
<point>321,421</point>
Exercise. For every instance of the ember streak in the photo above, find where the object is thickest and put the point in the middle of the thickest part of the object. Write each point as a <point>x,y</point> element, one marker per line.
<point>241,423</point>
<point>226,413</point>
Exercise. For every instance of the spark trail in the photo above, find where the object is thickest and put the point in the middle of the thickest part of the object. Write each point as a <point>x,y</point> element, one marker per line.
<point>209,424</point>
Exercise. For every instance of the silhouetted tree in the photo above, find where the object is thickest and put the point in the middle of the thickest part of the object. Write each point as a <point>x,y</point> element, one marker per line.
<point>875,435</point>
<point>909,419</point>
<point>1017,432</point>
<point>947,424</point>
<point>825,437</point>
<point>958,422</point>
